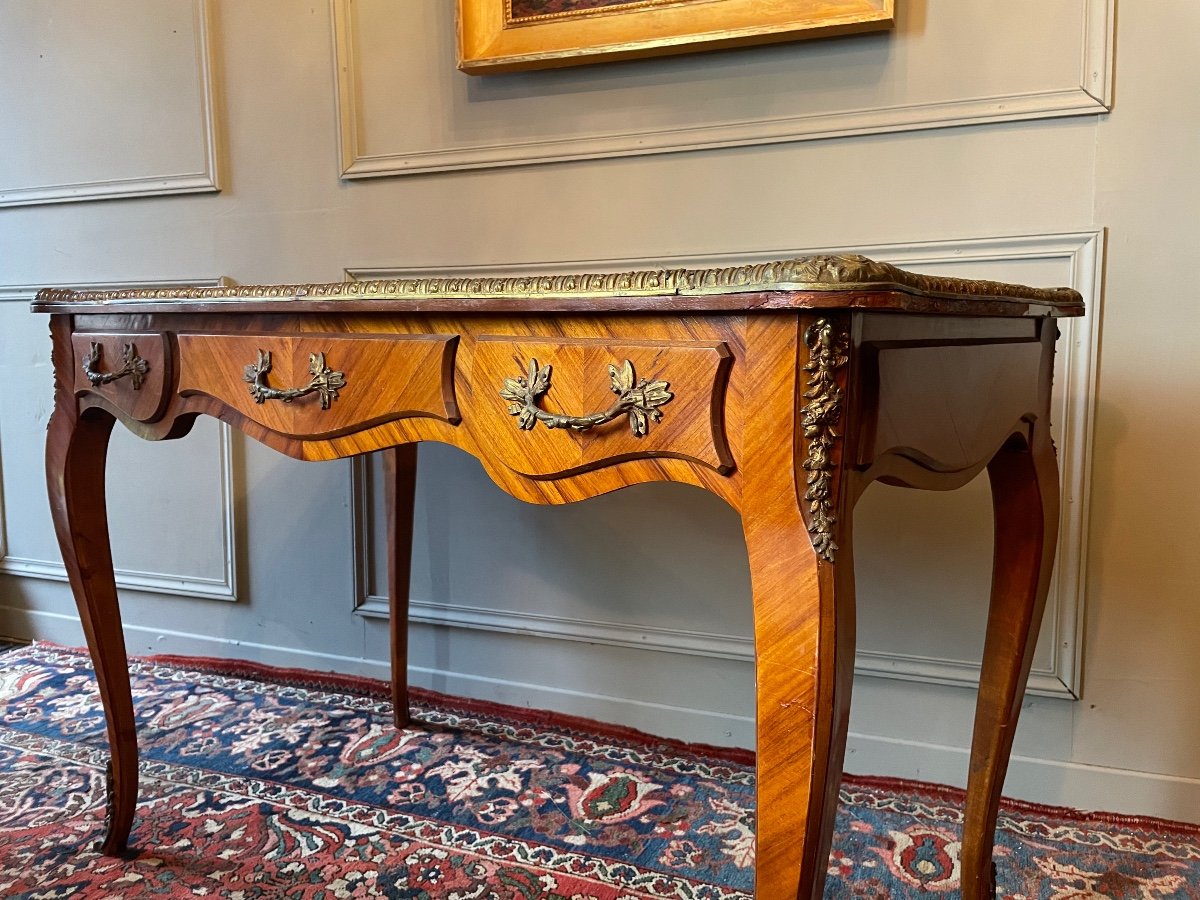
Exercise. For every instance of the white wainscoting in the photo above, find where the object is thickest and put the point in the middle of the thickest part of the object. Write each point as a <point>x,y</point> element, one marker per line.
<point>1043,60</point>
<point>112,99</point>
<point>220,550</point>
<point>1057,668</point>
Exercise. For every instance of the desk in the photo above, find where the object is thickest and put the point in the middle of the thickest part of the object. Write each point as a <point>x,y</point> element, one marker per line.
<point>784,388</point>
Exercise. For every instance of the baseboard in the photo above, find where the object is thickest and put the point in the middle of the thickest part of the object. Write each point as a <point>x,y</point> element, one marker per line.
<point>1048,781</point>
<point>682,723</point>
<point>1054,782</point>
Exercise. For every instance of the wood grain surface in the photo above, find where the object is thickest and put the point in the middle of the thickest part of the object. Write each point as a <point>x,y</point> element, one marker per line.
<point>788,414</point>
<point>144,402</point>
<point>386,378</point>
<point>692,425</point>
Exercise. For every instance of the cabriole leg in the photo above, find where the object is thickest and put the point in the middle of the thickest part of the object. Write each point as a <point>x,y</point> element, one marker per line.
<point>797,526</point>
<point>1024,479</point>
<point>804,635</point>
<point>76,448</point>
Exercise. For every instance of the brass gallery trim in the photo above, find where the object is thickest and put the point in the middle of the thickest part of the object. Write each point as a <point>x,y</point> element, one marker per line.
<point>638,399</point>
<point>806,273</point>
<point>819,420</point>
<point>135,367</point>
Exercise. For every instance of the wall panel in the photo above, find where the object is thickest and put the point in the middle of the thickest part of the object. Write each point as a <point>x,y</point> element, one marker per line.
<point>951,599</point>
<point>174,537</point>
<point>946,64</point>
<point>111,98</point>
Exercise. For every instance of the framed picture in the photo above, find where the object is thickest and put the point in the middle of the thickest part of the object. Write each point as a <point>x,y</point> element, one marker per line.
<point>511,35</point>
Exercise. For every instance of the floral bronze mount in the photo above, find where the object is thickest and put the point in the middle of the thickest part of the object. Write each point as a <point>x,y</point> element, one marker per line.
<point>324,382</point>
<point>820,419</point>
<point>637,399</point>
<point>135,368</point>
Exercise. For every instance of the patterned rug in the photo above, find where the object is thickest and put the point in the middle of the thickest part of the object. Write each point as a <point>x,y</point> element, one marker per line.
<point>261,783</point>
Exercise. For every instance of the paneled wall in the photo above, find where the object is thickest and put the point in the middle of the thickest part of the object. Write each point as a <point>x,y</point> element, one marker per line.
<point>322,141</point>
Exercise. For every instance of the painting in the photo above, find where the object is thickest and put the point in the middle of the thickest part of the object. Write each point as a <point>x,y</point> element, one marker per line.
<point>513,35</point>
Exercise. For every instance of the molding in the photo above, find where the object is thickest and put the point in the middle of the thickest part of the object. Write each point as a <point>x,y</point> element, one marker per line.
<point>1096,70</point>
<point>362,547</point>
<point>1091,96</point>
<point>1077,371</point>
<point>345,78</point>
<point>612,634</point>
<point>223,588</point>
<point>207,179</point>
<point>481,618</point>
<point>1078,374</point>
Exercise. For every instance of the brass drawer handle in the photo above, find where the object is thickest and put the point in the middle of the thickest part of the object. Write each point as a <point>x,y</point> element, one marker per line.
<point>639,400</point>
<point>325,382</point>
<point>135,367</point>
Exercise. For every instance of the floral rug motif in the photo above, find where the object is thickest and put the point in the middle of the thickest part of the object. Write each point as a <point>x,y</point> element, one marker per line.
<point>259,783</point>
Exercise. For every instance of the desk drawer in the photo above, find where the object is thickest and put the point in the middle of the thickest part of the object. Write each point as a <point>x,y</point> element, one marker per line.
<point>592,402</point>
<point>130,371</point>
<point>316,385</point>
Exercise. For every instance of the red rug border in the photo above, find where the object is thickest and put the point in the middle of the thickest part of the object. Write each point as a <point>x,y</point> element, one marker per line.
<point>379,689</point>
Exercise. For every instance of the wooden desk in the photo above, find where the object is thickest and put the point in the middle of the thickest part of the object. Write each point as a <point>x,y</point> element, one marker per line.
<point>785,389</point>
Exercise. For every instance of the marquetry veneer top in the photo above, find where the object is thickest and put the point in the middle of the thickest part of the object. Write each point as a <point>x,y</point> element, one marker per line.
<point>849,281</point>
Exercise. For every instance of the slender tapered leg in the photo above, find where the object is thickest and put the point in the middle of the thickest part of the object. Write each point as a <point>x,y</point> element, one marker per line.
<point>400,482</point>
<point>1024,478</point>
<point>797,529</point>
<point>76,447</point>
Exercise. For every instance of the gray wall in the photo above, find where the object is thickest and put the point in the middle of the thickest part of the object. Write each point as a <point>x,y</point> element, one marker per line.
<point>972,141</point>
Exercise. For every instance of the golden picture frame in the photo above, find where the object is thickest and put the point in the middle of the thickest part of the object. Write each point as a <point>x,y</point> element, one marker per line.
<point>515,35</point>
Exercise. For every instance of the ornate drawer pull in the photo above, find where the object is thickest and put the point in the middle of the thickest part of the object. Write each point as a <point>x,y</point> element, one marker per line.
<point>639,400</point>
<point>325,382</point>
<point>135,367</point>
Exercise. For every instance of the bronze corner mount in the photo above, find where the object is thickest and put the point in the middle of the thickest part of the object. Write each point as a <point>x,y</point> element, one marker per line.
<point>820,419</point>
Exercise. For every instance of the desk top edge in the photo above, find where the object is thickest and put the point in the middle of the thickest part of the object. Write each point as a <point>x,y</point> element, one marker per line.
<point>786,284</point>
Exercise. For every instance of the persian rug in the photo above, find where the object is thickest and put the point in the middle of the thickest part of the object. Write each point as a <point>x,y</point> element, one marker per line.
<point>260,783</point>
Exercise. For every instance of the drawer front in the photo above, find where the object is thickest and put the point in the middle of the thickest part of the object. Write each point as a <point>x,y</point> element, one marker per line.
<point>130,371</point>
<point>599,401</point>
<point>315,385</point>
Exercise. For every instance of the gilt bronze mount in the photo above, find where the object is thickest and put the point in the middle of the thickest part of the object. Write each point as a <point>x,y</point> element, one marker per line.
<point>819,419</point>
<point>135,367</point>
<point>639,400</point>
<point>325,382</point>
